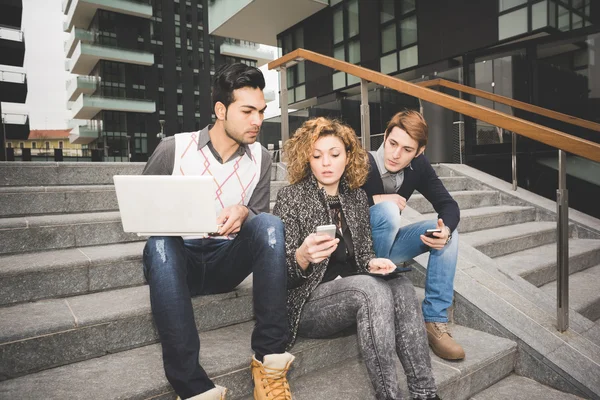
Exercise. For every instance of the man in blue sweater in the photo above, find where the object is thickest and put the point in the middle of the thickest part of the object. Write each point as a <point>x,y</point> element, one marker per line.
<point>397,169</point>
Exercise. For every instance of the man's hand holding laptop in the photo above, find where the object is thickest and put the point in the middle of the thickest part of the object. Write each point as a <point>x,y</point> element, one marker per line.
<point>231,219</point>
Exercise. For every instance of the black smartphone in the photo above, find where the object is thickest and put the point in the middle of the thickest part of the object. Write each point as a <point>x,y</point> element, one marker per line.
<point>429,232</point>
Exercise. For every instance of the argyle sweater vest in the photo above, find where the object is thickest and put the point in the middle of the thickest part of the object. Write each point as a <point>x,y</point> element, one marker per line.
<point>235,180</point>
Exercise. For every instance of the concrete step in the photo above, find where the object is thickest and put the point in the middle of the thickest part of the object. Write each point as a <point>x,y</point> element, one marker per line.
<point>515,387</point>
<point>538,265</point>
<point>584,292</point>
<point>477,219</point>
<point>64,173</point>
<point>465,199</point>
<point>36,200</point>
<point>49,333</point>
<point>489,358</point>
<point>443,171</point>
<point>49,232</point>
<point>69,272</point>
<point>498,242</point>
<point>19,173</point>
<point>138,373</point>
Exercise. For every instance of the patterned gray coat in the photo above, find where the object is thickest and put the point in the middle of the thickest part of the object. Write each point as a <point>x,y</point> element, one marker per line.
<point>302,207</point>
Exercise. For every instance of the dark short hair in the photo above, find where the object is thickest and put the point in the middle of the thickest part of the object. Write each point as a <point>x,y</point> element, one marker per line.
<point>230,77</point>
<point>413,123</point>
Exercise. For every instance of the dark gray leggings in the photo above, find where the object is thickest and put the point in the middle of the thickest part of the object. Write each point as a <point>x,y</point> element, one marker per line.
<point>378,307</point>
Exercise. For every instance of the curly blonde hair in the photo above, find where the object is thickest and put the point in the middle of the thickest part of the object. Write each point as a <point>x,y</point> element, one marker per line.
<point>298,150</point>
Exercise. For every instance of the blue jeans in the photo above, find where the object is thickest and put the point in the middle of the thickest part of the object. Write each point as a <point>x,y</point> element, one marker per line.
<point>402,244</point>
<point>178,269</point>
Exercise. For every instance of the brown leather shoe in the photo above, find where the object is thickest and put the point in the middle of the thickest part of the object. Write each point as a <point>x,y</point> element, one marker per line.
<point>442,343</point>
<point>270,381</point>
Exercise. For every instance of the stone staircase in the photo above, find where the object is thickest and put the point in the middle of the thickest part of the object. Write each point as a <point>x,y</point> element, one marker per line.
<point>75,316</point>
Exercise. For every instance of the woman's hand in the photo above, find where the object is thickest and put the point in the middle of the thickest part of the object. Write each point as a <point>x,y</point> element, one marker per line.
<point>315,249</point>
<point>381,266</point>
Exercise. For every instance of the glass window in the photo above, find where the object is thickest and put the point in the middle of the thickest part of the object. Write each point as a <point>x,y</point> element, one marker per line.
<point>334,2</point>
<point>300,93</point>
<point>407,6</point>
<point>387,11</point>
<point>353,28</point>
<point>563,19</point>
<point>507,4</point>
<point>33,145</point>
<point>338,25</point>
<point>339,80</point>
<point>60,145</point>
<point>200,17</point>
<point>287,43</point>
<point>577,21</point>
<point>409,57</point>
<point>339,53</point>
<point>389,63</point>
<point>299,38</point>
<point>408,31</point>
<point>291,82</point>
<point>301,72</point>
<point>539,15</point>
<point>354,52</point>
<point>388,38</point>
<point>512,24</point>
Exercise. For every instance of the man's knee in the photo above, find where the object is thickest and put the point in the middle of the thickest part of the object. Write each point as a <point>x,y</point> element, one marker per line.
<point>160,253</point>
<point>385,215</point>
<point>268,228</point>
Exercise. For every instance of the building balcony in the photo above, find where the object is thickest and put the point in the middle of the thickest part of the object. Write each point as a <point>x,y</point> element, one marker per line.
<point>76,36</point>
<point>81,84</point>
<point>247,50</point>
<point>13,86</point>
<point>86,56</point>
<point>12,46</point>
<point>229,18</point>
<point>87,133</point>
<point>16,126</point>
<point>81,12</point>
<point>87,106</point>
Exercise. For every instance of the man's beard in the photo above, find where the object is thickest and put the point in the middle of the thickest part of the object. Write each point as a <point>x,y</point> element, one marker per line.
<point>239,141</point>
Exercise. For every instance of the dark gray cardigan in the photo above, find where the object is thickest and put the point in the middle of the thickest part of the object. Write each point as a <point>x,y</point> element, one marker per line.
<point>302,207</point>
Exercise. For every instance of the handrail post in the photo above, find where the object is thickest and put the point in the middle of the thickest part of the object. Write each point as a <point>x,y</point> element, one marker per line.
<point>514,160</point>
<point>562,243</point>
<point>365,118</point>
<point>283,103</point>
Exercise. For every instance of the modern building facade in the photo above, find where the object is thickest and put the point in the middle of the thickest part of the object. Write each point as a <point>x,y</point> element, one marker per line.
<point>13,81</point>
<point>142,69</point>
<point>543,52</point>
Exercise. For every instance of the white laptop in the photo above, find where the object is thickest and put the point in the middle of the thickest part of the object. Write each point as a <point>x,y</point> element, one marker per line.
<point>166,205</point>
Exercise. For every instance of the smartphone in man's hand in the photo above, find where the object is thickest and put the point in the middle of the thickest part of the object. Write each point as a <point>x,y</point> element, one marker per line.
<point>430,232</point>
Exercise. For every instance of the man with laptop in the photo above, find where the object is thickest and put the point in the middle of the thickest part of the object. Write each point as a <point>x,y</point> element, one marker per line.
<point>246,240</point>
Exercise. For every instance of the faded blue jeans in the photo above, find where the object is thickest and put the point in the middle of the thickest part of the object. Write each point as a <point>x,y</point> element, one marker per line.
<point>389,325</point>
<point>401,244</point>
<point>178,269</point>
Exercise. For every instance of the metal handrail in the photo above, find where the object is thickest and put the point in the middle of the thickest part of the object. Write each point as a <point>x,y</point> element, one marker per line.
<point>552,137</point>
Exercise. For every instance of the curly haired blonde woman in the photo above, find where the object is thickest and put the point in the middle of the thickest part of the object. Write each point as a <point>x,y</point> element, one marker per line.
<point>326,167</point>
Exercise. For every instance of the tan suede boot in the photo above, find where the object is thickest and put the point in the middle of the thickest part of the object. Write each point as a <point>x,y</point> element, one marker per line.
<point>218,393</point>
<point>270,381</point>
<point>442,343</point>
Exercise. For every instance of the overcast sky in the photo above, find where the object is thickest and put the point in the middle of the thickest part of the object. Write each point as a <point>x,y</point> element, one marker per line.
<point>45,67</point>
